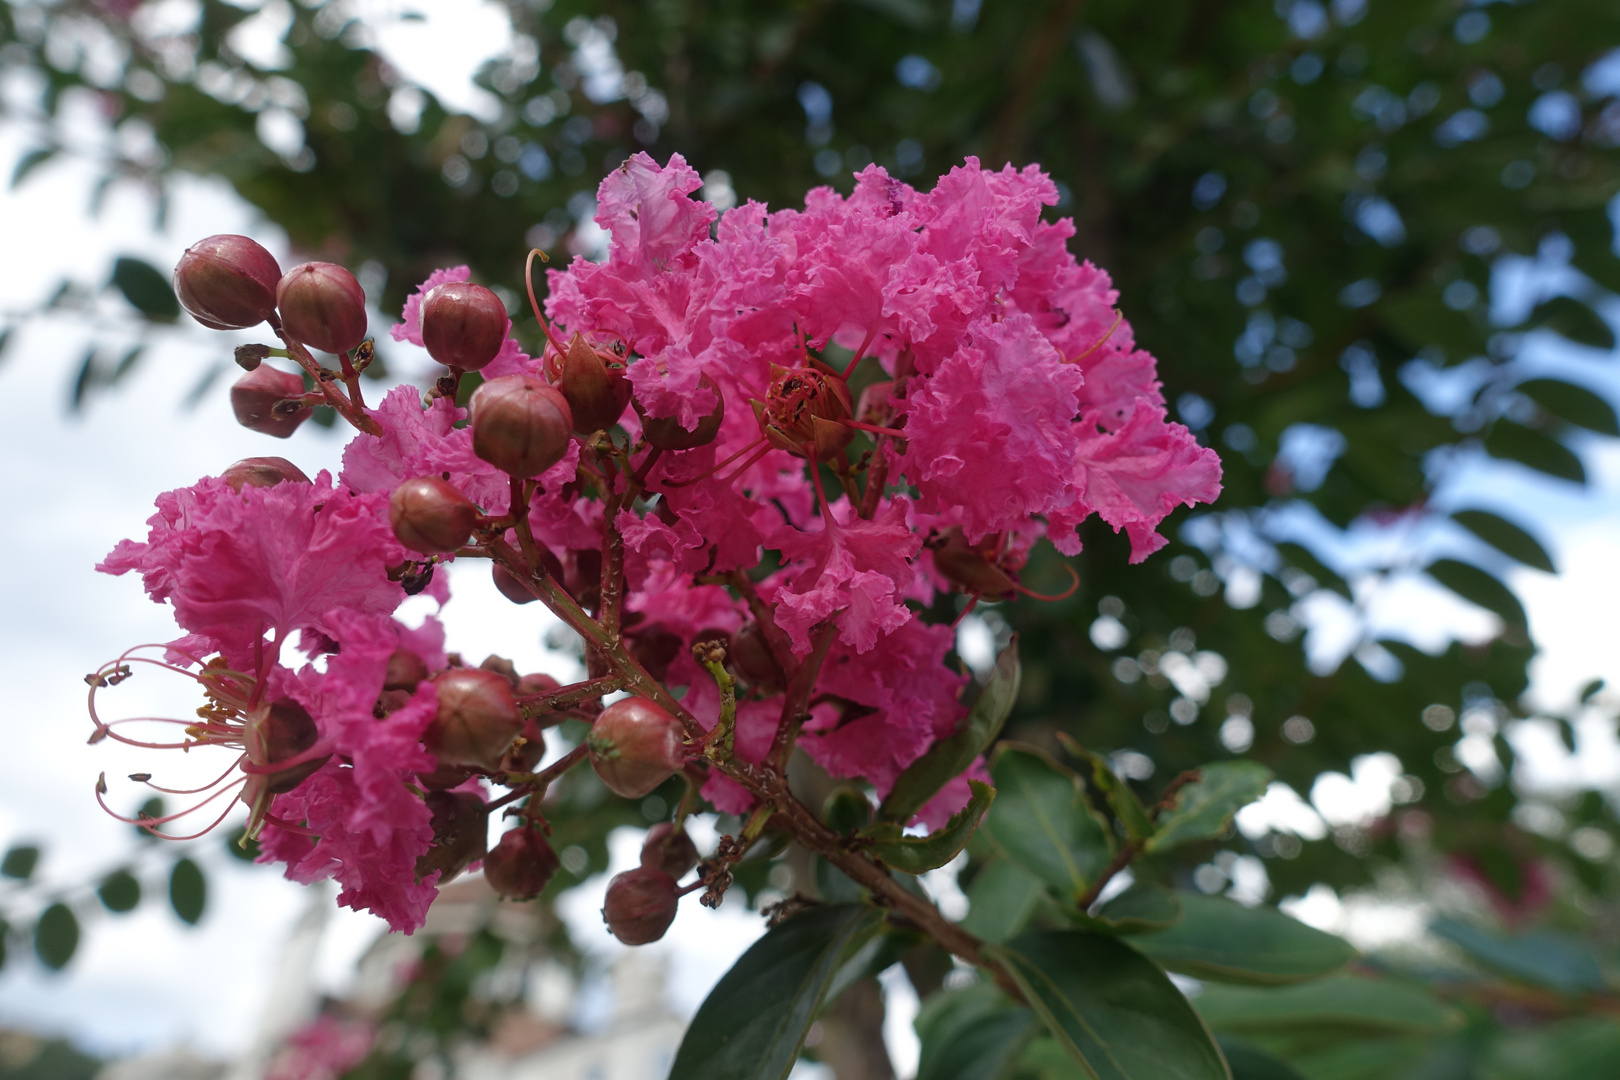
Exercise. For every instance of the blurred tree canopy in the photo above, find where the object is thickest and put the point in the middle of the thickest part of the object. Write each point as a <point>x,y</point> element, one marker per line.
<point>1301,204</point>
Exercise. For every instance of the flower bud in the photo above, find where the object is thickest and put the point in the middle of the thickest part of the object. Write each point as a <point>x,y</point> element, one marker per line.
<point>513,589</point>
<point>429,515</point>
<point>460,834</point>
<point>520,425</point>
<point>635,746</point>
<point>249,357</point>
<point>521,864</point>
<point>463,325</point>
<point>666,432</point>
<point>227,282</point>
<point>584,576</point>
<point>536,683</point>
<point>597,394</point>
<point>444,777</point>
<point>668,849</point>
<point>262,472</point>
<point>406,671</point>
<point>526,750</point>
<point>972,567</point>
<point>501,666</point>
<point>753,657</point>
<point>477,720</point>
<point>322,306</point>
<point>257,396</point>
<point>283,732</point>
<point>655,648</point>
<point>805,412</point>
<point>640,904</point>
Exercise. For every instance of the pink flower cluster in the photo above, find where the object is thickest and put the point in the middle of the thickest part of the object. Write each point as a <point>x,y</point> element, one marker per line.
<point>1005,400</point>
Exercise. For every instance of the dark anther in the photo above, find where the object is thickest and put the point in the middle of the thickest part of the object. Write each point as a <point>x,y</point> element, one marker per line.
<point>140,777</point>
<point>415,580</point>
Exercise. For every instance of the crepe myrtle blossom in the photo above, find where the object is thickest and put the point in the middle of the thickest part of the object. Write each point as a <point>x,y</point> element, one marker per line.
<point>750,461</point>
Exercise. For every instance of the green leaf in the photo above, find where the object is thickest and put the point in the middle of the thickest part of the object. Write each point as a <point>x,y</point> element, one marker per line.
<point>1248,1062</point>
<point>240,846</point>
<point>1001,900</point>
<point>1478,587</point>
<point>753,1023</point>
<point>915,854</point>
<point>87,379</point>
<point>1302,558</point>
<point>1112,1009</point>
<point>20,861</point>
<point>5,935</point>
<point>56,936</point>
<point>973,1033</point>
<point>1221,940</point>
<point>1345,1003</point>
<point>1572,404</point>
<point>1542,957</point>
<point>120,891</point>
<point>1121,799</point>
<point>950,757</point>
<point>146,288</point>
<point>1512,441</point>
<point>188,890</point>
<point>150,810</point>
<point>1505,537</point>
<point>1142,908</point>
<point>1203,809</point>
<point>1420,319</point>
<point>1579,1049</point>
<point>31,161</point>
<point>1042,819</point>
<point>1569,318</point>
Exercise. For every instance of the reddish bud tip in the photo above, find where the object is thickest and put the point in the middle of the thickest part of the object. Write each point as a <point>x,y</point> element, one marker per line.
<point>406,671</point>
<point>257,396</point>
<point>429,515</point>
<point>666,432</point>
<point>635,746</point>
<point>477,719</point>
<point>521,864</point>
<point>668,849</point>
<point>262,472</point>
<point>640,904</point>
<point>227,282</point>
<point>322,306</point>
<point>463,325</point>
<point>460,834</point>
<point>520,425</point>
<point>597,394</point>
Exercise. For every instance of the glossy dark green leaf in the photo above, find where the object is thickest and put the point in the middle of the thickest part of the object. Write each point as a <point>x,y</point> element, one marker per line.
<point>1248,1062</point>
<point>119,891</point>
<point>1542,957</point>
<point>1568,317</point>
<point>915,854</point>
<point>188,890</point>
<point>1112,1009</point>
<point>1572,404</point>
<point>56,936</point>
<point>146,288</point>
<point>1001,900</point>
<point>1203,809</point>
<point>1143,908</point>
<point>950,757</point>
<point>1346,1003</point>
<point>1042,820</point>
<point>1506,537</point>
<point>754,1021</point>
<point>1479,587</point>
<point>1121,799</point>
<point>20,861</point>
<point>1512,441</point>
<point>1224,941</point>
<point>974,1033</point>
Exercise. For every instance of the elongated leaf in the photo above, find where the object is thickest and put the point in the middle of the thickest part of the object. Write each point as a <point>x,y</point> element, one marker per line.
<point>1475,585</point>
<point>120,891</point>
<point>1121,799</point>
<point>56,936</point>
<point>1568,317</point>
<point>915,854</point>
<point>1222,940</point>
<point>146,288</point>
<point>1512,441</point>
<point>1347,1003</point>
<point>1572,404</point>
<point>1506,537</point>
<point>973,1033</point>
<point>1540,957</point>
<point>1579,1049</point>
<point>20,861</point>
<point>1111,1008</point>
<point>31,161</point>
<point>1248,1062</point>
<point>949,757</point>
<point>1141,909</point>
<point>1042,819</point>
<point>1203,809</point>
<point>1305,559</point>
<point>188,890</point>
<point>753,1023</point>
<point>1001,900</point>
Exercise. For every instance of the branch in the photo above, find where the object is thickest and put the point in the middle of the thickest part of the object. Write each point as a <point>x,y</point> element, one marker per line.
<point>795,702</point>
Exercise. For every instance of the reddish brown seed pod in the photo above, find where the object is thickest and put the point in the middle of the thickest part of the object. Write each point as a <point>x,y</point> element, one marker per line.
<point>322,306</point>
<point>463,325</point>
<point>640,904</point>
<point>513,589</point>
<point>477,719</point>
<point>262,472</point>
<point>635,746</point>
<point>668,849</point>
<point>460,834</point>
<point>521,864</point>
<point>666,432</point>
<point>256,400</point>
<point>597,394</point>
<point>520,425</point>
<point>227,282</point>
<point>406,671</point>
<point>430,515</point>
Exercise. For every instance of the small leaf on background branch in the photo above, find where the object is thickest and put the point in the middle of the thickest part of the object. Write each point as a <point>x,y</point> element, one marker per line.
<point>1572,404</point>
<point>1350,1003</point>
<point>146,288</point>
<point>188,890</point>
<point>916,854</point>
<point>973,1033</point>
<point>20,861</point>
<point>1142,908</point>
<point>31,161</point>
<point>1221,940</point>
<point>1203,809</point>
<point>119,891</point>
<point>1042,819</point>
<point>1569,318</point>
<point>1541,957</point>
<point>56,936</point>
<point>1478,587</point>
<point>753,1024</point>
<point>1111,1008</point>
<point>1506,537</point>
<point>950,757</point>
<point>1121,799</point>
<point>1512,441</point>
